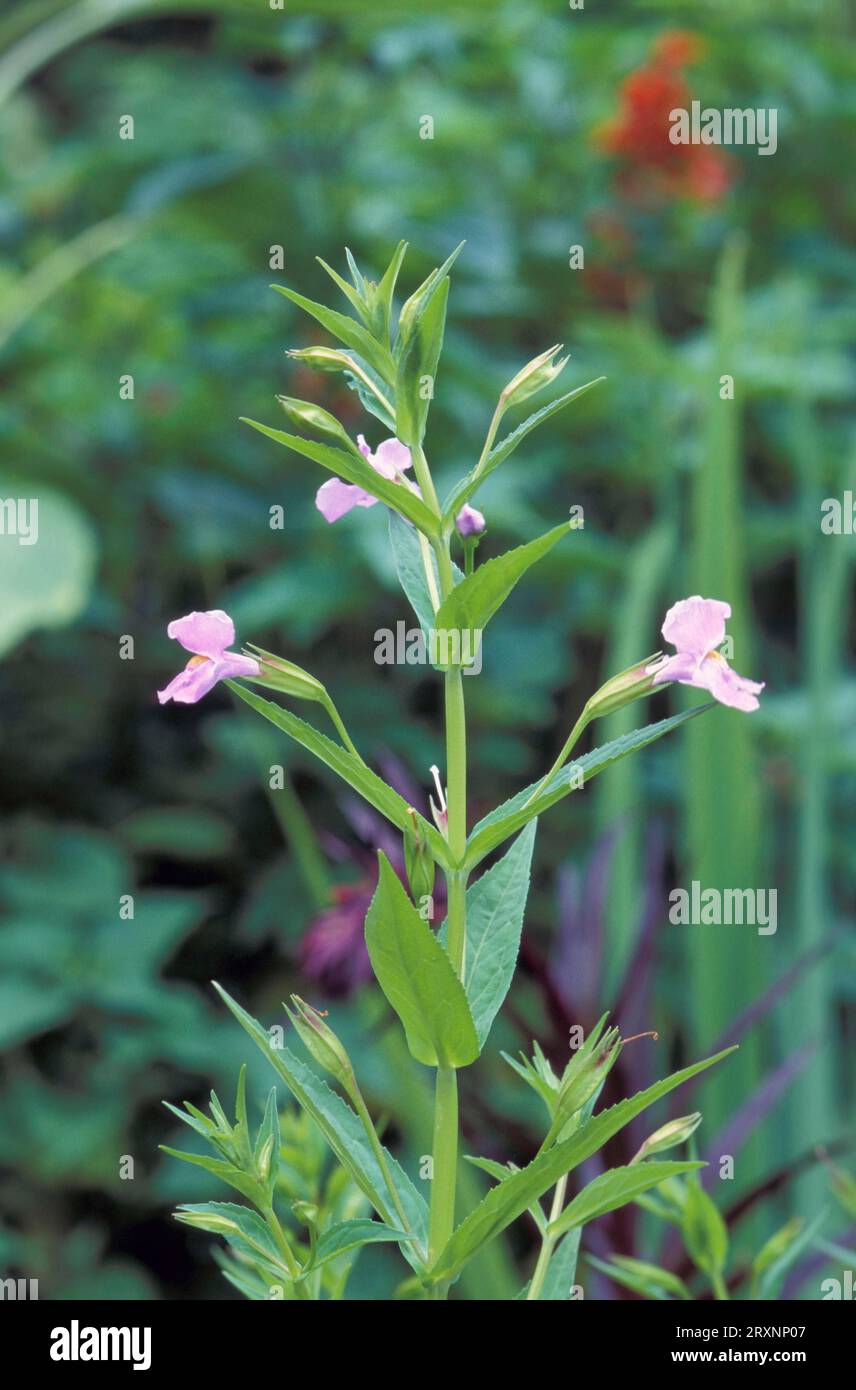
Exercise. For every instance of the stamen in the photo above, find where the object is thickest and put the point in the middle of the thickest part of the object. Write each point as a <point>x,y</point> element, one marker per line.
<point>435,772</point>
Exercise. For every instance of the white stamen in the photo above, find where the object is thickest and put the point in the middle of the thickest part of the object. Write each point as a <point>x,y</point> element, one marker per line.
<point>435,772</point>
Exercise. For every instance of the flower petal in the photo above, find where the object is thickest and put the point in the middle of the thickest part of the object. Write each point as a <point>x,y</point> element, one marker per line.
<point>680,667</point>
<point>191,684</point>
<point>696,625</point>
<point>726,686</point>
<point>392,457</point>
<point>334,498</point>
<point>204,634</point>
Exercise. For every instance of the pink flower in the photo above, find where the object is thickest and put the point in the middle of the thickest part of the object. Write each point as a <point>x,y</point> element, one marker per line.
<point>206,635</point>
<point>335,498</point>
<point>696,627</point>
<point>469,521</point>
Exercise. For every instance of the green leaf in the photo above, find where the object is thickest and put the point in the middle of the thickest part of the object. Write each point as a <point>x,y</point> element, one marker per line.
<point>503,1204</point>
<point>417,977</point>
<point>226,1172</point>
<point>343,1131</point>
<point>413,308</point>
<point>495,907</point>
<point>407,553</point>
<point>350,1235</point>
<point>520,809</point>
<point>500,452</point>
<point>386,287</point>
<point>418,361</point>
<point>473,602</point>
<point>704,1232</point>
<point>649,1280</point>
<point>368,398</point>
<point>240,1226</point>
<point>562,1269</point>
<point>371,787</point>
<point>616,1188</point>
<point>347,330</point>
<point>355,469</point>
<point>352,294</point>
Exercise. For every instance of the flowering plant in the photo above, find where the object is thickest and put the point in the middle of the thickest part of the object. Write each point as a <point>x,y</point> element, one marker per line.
<point>446,985</point>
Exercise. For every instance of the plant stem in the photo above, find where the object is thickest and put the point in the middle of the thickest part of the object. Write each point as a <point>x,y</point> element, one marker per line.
<point>445,1162</point>
<point>356,1096</point>
<point>566,748</point>
<point>720,1291</point>
<point>547,1242</point>
<point>285,1250</point>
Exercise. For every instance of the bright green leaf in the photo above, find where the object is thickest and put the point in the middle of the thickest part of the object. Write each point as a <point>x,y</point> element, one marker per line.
<point>616,1188</point>
<point>417,977</point>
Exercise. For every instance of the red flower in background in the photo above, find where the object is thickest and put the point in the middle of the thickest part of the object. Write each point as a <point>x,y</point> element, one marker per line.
<point>650,166</point>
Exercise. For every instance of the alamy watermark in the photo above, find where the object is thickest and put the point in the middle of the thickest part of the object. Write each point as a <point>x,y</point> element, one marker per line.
<point>703,907</point>
<point>409,646</point>
<point>731,126</point>
<point>19,516</point>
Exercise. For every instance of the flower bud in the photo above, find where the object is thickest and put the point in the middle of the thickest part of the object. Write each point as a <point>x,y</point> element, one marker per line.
<point>278,674</point>
<point>668,1136</point>
<point>533,377</point>
<point>321,1042</point>
<point>207,1221</point>
<point>316,420</point>
<point>418,862</point>
<point>322,359</point>
<point>469,521</point>
<point>621,690</point>
<point>583,1077</point>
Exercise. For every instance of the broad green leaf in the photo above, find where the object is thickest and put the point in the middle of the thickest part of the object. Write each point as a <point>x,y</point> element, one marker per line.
<point>353,468</point>
<point>418,365</point>
<point>350,1235</point>
<point>562,1269</point>
<point>500,452</point>
<point>344,1132</point>
<point>410,565</point>
<point>649,1280</point>
<point>503,1204</point>
<point>495,907</point>
<point>473,602</point>
<point>350,769</point>
<point>616,1188</point>
<point>417,977</point>
<point>704,1232</point>
<point>520,809</point>
<point>347,330</point>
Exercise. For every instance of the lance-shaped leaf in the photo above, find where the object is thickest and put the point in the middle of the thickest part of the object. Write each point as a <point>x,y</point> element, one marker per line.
<point>415,305</point>
<point>242,1228</point>
<point>343,1131</point>
<point>503,1204</point>
<point>464,490</point>
<point>352,770</point>
<point>513,814</point>
<point>649,1280</point>
<point>616,1188</point>
<point>417,367</point>
<point>356,469</point>
<point>347,330</point>
<point>495,907</point>
<point>473,602</point>
<point>417,977</point>
<point>350,1235</point>
<point>386,286</point>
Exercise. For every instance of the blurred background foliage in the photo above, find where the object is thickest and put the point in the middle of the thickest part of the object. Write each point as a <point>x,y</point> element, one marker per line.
<point>256,129</point>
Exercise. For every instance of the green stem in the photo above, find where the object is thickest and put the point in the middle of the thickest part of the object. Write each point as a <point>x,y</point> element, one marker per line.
<point>339,724</point>
<point>444,1163</point>
<point>720,1290</point>
<point>548,1241</point>
<point>356,1096</point>
<point>285,1250</point>
<point>566,748</point>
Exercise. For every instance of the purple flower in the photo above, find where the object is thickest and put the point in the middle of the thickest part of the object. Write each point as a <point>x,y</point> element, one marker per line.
<point>696,627</point>
<point>469,521</point>
<point>206,635</point>
<point>334,498</point>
